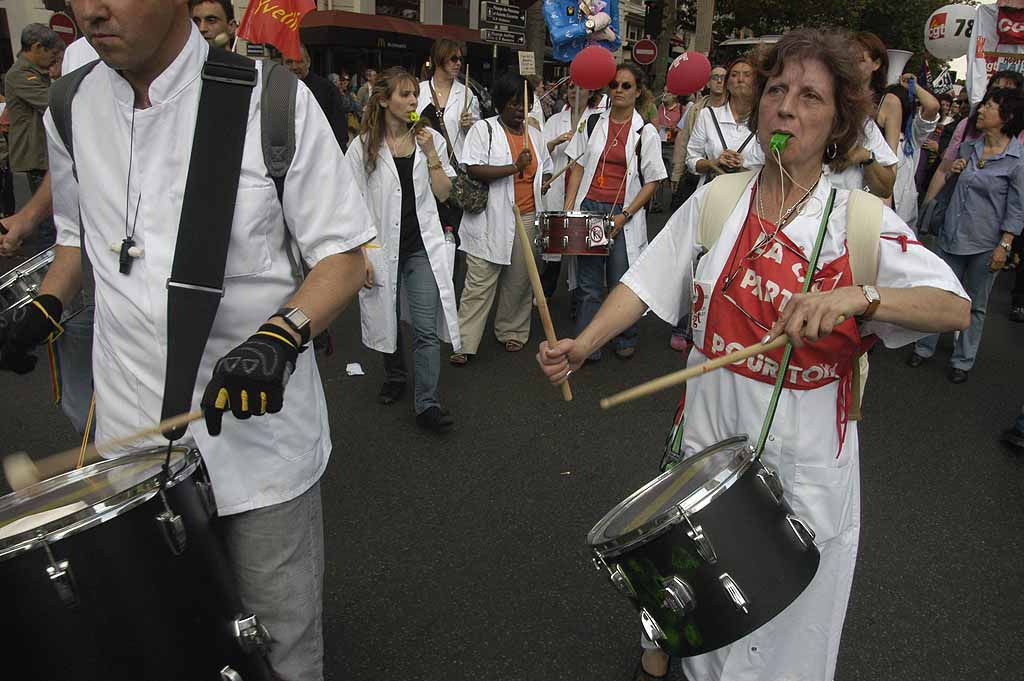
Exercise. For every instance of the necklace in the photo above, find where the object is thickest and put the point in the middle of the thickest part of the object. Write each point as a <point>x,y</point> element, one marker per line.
<point>615,143</point>
<point>128,251</point>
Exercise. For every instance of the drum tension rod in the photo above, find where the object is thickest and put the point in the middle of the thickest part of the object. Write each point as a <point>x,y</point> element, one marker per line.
<point>61,577</point>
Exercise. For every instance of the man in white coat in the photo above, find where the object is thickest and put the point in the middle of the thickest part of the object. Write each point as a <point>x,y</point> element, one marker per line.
<point>132,111</point>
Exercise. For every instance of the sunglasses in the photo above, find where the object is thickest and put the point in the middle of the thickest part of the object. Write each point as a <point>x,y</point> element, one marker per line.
<point>616,85</point>
<point>458,59</point>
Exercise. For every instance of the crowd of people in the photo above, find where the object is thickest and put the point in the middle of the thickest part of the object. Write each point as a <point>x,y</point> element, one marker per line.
<point>802,142</point>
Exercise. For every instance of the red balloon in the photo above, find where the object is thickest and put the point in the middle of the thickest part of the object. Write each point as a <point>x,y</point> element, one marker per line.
<point>593,68</point>
<point>689,73</point>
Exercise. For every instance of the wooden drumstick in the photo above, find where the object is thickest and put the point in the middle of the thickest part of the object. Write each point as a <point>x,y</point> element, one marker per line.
<point>547,185</point>
<point>465,95</point>
<point>526,114</point>
<point>538,292</point>
<point>19,468</point>
<point>682,376</point>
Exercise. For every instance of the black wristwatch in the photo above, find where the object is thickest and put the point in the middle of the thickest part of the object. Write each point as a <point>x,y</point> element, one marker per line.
<point>629,216</point>
<point>871,159</point>
<point>297,321</point>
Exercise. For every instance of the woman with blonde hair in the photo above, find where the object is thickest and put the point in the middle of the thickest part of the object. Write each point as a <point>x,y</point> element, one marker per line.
<point>400,171</point>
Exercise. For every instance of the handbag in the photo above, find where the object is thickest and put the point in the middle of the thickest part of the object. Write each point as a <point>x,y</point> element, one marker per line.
<point>467,193</point>
<point>934,214</point>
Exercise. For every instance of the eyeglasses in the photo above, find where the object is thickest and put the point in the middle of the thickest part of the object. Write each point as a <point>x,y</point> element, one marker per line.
<point>718,76</point>
<point>456,58</point>
<point>616,85</point>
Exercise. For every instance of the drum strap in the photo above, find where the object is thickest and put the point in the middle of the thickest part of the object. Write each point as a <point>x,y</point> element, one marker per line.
<point>196,284</point>
<point>812,267</point>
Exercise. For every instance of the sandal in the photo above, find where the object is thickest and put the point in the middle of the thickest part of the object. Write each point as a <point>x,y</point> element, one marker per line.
<point>513,346</point>
<point>459,359</point>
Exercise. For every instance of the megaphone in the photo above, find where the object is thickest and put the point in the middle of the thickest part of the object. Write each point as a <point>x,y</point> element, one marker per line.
<point>897,61</point>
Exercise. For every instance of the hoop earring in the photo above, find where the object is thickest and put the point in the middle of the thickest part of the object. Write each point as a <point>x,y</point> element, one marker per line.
<point>831,151</point>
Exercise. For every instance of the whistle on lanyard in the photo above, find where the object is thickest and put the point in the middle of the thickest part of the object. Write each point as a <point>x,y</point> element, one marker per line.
<point>778,142</point>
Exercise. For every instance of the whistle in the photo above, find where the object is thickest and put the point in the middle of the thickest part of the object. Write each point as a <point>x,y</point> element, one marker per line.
<point>778,142</point>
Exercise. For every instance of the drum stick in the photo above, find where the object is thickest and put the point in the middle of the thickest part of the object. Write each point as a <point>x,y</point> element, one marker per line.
<point>547,185</point>
<point>465,95</point>
<point>526,114</point>
<point>62,462</point>
<point>538,292</point>
<point>682,376</point>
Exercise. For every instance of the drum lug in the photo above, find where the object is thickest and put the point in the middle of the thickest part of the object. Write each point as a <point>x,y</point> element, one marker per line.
<point>679,596</point>
<point>62,578</point>
<point>565,243</point>
<point>599,563</point>
<point>802,530</point>
<point>739,599</point>
<point>250,634</point>
<point>622,583</point>
<point>172,527</point>
<point>229,674</point>
<point>651,627</point>
<point>771,482</point>
<point>704,546</point>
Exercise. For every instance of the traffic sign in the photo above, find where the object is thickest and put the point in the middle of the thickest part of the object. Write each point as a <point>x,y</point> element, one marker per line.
<point>64,26</point>
<point>491,35</point>
<point>505,15</point>
<point>645,51</point>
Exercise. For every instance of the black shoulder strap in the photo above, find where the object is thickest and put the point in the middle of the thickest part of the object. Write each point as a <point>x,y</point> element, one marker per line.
<point>718,128</point>
<point>277,121</point>
<point>745,143</point>
<point>592,123</point>
<point>196,284</point>
<point>62,93</point>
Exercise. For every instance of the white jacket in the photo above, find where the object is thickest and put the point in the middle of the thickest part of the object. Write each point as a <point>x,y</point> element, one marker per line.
<point>589,152</point>
<point>383,194</point>
<point>491,233</point>
<point>452,112</point>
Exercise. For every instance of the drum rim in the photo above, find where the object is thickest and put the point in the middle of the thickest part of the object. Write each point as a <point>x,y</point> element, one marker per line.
<point>664,521</point>
<point>115,505</point>
<point>30,266</point>
<point>575,213</point>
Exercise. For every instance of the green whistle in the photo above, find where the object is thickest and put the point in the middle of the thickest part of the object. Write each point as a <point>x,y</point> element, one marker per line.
<point>778,142</point>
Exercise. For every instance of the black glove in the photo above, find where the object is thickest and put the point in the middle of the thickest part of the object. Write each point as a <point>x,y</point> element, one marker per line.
<point>23,328</point>
<point>251,378</point>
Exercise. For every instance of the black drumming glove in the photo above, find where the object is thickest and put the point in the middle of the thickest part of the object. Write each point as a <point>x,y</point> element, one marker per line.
<point>23,328</point>
<point>251,378</point>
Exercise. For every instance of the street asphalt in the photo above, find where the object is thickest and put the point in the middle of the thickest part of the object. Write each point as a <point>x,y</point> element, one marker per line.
<point>464,556</point>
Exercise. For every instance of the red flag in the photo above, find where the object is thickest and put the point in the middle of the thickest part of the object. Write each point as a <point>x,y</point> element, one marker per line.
<point>276,22</point>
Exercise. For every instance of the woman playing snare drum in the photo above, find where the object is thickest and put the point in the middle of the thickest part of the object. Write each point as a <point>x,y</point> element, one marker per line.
<point>746,287</point>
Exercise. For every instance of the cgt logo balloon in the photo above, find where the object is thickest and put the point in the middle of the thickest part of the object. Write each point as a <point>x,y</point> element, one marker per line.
<point>574,25</point>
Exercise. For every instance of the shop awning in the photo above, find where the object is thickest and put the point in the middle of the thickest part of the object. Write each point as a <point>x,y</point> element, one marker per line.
<point>375,22</point>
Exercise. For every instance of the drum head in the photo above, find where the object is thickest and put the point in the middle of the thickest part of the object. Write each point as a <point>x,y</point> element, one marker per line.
<point>75,501</point>
<point>688,487</point>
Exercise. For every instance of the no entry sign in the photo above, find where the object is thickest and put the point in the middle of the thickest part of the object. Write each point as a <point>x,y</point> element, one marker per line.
<point>645,51</point>
<point>64,26</point>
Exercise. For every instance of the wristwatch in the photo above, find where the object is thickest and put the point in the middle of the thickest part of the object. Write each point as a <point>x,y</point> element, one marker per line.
<point>1006,247</point>
<point>871,159</point>
<point>297,321</point>
<point>629,216</point>
<point>874,300</point>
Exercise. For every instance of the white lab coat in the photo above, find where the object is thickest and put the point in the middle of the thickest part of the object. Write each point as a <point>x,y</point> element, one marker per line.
<point>77,54</point>
<point>267,459</point>
<point>452,112</point>
<point>704,142</point>
<point>383,194</point>
<point>823,489</point>
<point>904,192</point>
<point>490,234</point>
<point>589,153</point>
<point>873,140</point>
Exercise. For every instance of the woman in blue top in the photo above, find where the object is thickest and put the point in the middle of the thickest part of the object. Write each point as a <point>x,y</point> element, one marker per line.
<point>984,216</point>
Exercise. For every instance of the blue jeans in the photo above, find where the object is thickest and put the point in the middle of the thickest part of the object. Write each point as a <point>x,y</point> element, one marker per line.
<point>977,279</point>
<point>74,362</point>
<point>46,232</point>
<point>415,275</point>
<point>592,273</point>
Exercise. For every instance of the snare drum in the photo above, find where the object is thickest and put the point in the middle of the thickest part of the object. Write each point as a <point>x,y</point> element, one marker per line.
<point>573,233</point>
<point>708,551</point>
<point>21,284</point>
<point>114,572</point>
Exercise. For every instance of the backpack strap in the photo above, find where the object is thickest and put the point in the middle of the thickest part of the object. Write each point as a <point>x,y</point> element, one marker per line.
<point>277,121</point>
<point>722,195</point>
<point>62,94</point>
<point>863,230</point>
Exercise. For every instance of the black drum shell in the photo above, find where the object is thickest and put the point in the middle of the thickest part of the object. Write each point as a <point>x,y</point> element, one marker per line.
<point>142,613</point>
<point>755,544</point>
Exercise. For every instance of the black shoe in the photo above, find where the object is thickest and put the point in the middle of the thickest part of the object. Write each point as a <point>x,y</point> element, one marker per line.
<point>957,376</point>
<point>435,419</point>
<point>1017,313</point>
<point>915,360</point>
<point>391,392</point>
<point>1014,438</point>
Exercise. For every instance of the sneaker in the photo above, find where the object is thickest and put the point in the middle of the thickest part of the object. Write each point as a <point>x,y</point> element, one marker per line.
<point>1017,313</point>
<point>435,419</point>
<point>957,375</point>
<point>679,343</point>
<point>391,392</point>
<point>1014,438</point>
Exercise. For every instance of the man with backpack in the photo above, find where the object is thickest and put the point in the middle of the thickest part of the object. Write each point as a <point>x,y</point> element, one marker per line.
<point>192,250</point>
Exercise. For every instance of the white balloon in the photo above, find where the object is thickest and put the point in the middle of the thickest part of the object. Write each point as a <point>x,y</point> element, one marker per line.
<point>947,33</point>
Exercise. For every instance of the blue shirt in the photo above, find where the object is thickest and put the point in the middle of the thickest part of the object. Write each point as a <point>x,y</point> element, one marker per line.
<point>986,202</point>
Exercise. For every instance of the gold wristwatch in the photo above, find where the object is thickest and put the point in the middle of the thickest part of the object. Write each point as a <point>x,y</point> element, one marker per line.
<point>874,300</point>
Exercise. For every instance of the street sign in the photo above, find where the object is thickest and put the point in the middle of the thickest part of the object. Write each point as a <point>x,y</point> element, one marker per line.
<point>491,35</point>
<point>527,63</point>
<point>503,15</point>
<point>645,51</point>
<point>64,26</point>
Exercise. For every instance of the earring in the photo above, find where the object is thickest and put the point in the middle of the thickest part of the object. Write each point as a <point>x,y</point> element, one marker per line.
<point>831,151</point>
